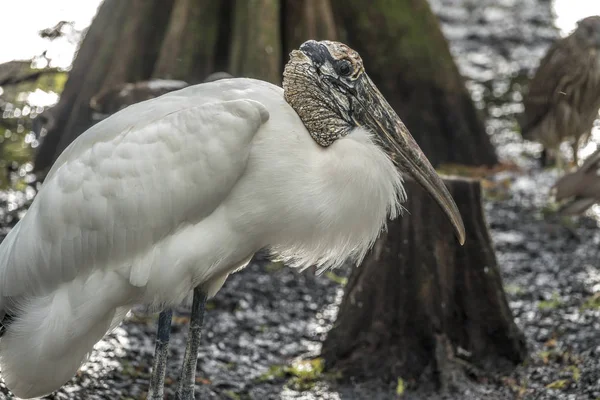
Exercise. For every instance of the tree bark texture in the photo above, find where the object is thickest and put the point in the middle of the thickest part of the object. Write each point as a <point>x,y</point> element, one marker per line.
<point>119,46</point>
<point>419,296</point>
<point>308,19</point>
<point>256,41</point>
<point>408,58</point>
<point>189,48</point>
<point>87,74</point>
<point>137,50</point>
<point>402,46</point>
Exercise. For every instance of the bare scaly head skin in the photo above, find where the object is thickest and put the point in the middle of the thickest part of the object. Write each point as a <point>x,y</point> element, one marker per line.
<point>313,89</point>
<point>326,84</point>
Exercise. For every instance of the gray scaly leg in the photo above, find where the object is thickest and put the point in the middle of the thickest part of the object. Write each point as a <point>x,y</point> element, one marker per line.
<point>185,389</point>
<point>157,383</point>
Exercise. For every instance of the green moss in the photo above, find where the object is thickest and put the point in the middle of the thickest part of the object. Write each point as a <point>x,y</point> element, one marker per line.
<point>575,371</point>
<point>307,369</point>
<point>400,387</point>
<point>592,303</point>
<point>301,375</point>
<point>340,280</point>
<point>305,373</point>
<point>514,289</point>
<point>210,305</point>
<point>558,384</point>
<point>14,151</point>
<point>554,355</point>
<point>568,222</point>
<point>143,318</point>
<point>549,209</point>
<point>133,371</point>
<point>232,395</point>
<point>519,388</point>
<point>274,266</point>
<point>546,356</point>
<point>53,82</point>
<point>274,372</point>
<point>551,304</point>
<point>407,36</point>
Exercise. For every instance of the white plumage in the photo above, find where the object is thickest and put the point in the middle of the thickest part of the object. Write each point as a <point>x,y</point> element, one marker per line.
<point>175,193</point>
<point>171,193</point>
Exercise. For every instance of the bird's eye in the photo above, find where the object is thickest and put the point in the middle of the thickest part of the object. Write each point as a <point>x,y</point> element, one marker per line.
<point>344,68</point>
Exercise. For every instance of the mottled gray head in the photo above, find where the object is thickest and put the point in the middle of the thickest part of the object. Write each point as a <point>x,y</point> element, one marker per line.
<point>326,84</point>
<point>588,32</point>
<point>320,83</point>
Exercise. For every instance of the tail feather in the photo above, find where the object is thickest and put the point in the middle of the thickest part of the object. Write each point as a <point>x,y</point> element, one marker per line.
<point>50,336</point>
<point>5,322</point>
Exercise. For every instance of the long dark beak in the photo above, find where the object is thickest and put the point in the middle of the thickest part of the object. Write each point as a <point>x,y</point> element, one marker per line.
<point>376,113</point>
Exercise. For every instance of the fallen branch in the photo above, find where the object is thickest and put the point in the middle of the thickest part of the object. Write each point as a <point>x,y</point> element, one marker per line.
<point>30,77</point>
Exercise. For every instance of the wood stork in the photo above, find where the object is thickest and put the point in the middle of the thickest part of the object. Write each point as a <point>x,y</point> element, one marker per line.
<point>175,193</point>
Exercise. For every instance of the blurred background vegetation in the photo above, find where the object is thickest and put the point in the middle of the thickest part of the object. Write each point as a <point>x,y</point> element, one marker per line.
<point>35,60</point>
<point>20,104</point>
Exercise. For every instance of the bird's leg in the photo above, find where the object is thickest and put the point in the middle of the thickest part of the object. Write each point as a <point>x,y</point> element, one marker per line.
<point>575,150</point>
<point>157,382</point>
<point>560,161</point>
<point>545,158</point>
<point>187,380</point>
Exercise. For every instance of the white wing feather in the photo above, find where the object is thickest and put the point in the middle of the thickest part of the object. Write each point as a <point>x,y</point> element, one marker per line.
<point>71,266</point>
<point>125,184</point>
<point>169,194</point>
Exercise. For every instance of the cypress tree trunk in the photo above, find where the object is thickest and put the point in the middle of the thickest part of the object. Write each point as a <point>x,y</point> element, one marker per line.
<point>419,296</point>
<point>409,59</point>
<point>85,79</point>
<point>119,46</point>
<point>134,56</point>
<point>308,19</point>
<point>256,41</point>
<point>189,49</point>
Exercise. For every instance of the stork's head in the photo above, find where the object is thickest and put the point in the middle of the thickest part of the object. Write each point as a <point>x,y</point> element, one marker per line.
<point>588,32</point>
<point>326,84</point>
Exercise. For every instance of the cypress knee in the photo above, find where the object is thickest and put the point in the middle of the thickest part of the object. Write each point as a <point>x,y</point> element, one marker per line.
<point>419,296</point>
